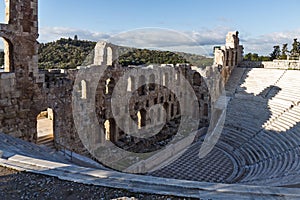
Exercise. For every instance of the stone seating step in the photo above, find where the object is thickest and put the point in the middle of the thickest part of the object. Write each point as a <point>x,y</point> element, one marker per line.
<point>238,135</point>
<point>278,127</point>
<point>290,95</point>
<point>293,115</point>
<point>18,146</point>
<point>276,167</point>
<point>268,139</point>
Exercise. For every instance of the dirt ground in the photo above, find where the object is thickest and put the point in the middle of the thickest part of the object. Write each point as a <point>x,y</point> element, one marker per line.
<point>20,185</point>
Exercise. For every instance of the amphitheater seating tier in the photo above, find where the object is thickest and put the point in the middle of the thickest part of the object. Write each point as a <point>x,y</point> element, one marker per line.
<point>261,136</point>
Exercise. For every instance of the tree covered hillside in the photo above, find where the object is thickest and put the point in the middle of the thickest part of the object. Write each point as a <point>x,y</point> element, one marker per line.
<point>70,53</point>
<point>134,56</point>
<point>64,53</point>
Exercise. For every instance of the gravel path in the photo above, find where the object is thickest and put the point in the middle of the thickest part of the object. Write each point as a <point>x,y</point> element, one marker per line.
<point>20,185</point>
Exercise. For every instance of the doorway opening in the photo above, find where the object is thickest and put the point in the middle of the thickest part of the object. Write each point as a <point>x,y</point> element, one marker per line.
<point>45,128</point>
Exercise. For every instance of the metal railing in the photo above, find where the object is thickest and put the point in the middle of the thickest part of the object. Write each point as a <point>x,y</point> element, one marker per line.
<point>66,151</point>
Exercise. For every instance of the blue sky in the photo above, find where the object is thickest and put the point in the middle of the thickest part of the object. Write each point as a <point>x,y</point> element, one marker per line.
<point>261,23</point>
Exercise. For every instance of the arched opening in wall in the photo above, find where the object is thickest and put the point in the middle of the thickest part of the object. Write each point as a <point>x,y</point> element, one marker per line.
<point>197,79</point>
<point>161,99</point>
<point>236,58</point>
<point>172,110</point>
<point>177,78</point>
<point>130,84</point>
<point>152,117</point>
<point>152,82</point>
<point>2,56</point>
<point>107,130</point>
<point>165,79</point>
<point>109,56</point>
<point>6,56</point>
<point>205,110</point>
<point>141,115</point>
<point>227,58</point>
<point>110,130</point>
<point>158,115</point>
<point>178,108</point>
<point>195,112</point>
<point>45,128</point>
<point>166,107</point>
<point>83,89</point>
<point>142,88</point>
<point>109,87</point>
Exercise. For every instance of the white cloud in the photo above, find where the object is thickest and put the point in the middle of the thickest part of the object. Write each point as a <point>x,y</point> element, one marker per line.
<point>213,37</point>
<point>157,37</point>
<point>263,44</point>
<point>200,41</point>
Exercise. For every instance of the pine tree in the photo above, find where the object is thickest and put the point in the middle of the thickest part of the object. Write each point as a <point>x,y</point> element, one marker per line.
<point>284,51</point>
<point>276,52</point>
<point>295,48</point>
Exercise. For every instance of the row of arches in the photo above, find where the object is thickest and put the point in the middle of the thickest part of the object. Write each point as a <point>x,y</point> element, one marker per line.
<point>131,82</point>
<point>142,118</point>
<point>231,57</point>
<point>132,86</point>
<point>140,109</point>
<point>104,54</point>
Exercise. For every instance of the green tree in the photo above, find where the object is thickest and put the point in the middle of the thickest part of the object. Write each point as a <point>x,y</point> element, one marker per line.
<point>64,53</point>
<point>248,56</point>
<point>284,51</point>
<point>264,58</point>
<point>276,52</point>
<point>255,57</point>
<point>145,56</point>
<point>295,51</point>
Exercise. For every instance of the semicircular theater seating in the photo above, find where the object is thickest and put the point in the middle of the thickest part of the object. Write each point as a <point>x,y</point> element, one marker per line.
<point>260,142</point>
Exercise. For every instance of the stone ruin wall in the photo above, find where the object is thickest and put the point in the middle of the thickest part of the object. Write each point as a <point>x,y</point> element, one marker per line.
<point>226,58</point>
<point>229,56</point>
<point>25,91</point>
<point>20,82</point>
<point>58,89</point>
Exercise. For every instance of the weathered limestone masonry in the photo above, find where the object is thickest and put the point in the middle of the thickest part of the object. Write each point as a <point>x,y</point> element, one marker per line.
<point>19,83</point>
<point>142,98</point>
<point>229,56</point>
<point>25,91</point>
